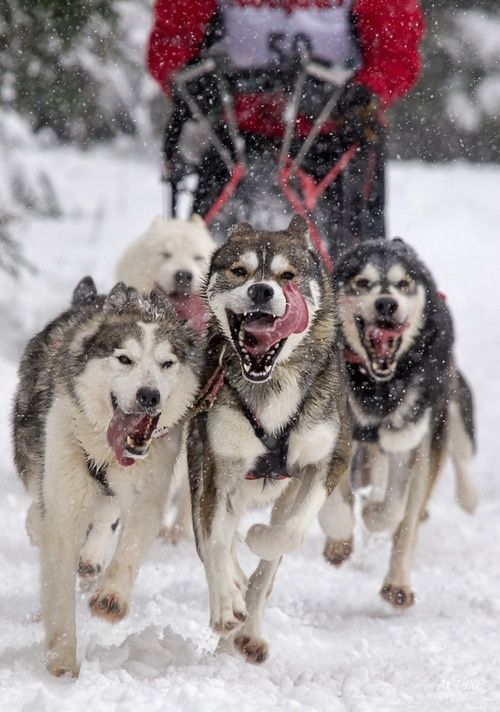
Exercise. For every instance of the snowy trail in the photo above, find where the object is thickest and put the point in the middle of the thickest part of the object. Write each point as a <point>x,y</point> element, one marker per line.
<point>335,646</point>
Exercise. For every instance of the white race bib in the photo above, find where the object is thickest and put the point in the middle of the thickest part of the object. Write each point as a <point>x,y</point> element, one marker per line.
<point>258,37</point>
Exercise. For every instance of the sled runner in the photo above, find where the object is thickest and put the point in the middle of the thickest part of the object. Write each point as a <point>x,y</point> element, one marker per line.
<point>254,178</point>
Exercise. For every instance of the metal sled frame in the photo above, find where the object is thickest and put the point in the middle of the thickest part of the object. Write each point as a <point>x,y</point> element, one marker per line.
<point>289,168</point>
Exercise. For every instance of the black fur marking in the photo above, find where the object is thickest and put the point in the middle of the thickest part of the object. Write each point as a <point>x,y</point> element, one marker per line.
<point>365,434</point>
<point>272,464</point>
<point>99,474</point>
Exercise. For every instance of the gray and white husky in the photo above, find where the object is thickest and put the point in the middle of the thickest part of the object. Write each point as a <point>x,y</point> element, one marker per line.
<point>96,387</point>
<point>278,431</point>
<point>410,403</point>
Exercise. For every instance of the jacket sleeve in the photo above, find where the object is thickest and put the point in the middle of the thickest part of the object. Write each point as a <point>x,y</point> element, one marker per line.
<point>177,35</point>
<point>389,34</point>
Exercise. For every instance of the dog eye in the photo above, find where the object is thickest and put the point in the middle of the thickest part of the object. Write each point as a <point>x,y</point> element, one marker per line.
<point>403,284</point>
<point>287,275</point>
<point>239,271</point>
<point>125,360</point>
<point>362,283</point>
<point>167,255</point>
<point>167,364</point>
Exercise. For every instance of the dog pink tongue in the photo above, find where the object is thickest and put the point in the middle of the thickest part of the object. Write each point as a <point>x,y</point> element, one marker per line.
<point>121,425</point>
<point>266,331</point>
<point>383,340</point>
<point>191,308</point>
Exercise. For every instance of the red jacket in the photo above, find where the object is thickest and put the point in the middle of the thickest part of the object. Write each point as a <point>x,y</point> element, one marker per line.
<point>388,33</point>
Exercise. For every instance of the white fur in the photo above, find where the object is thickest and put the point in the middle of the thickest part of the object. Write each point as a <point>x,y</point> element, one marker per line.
<point>189,244</point>
<point>307,447</point>
<point>385,515</point>
<point>94,550</point>
<point>404,439</point>
<point>250,260</point>
<point>231,436</point>
<point>279,264</point>
<point>281,406</point>
<point>336,517</point>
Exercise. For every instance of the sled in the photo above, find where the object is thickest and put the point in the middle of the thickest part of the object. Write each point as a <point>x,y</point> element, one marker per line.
<point>287,175</point>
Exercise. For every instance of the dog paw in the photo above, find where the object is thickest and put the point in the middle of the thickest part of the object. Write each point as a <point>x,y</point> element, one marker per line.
<point>228,613</point>
<point>336,552</point>
<point>108,606</point>
<point>62,663</point>
<point>398,596</point>
<point>88,569</point>
<point>269,543</point>
<point>254,650</point>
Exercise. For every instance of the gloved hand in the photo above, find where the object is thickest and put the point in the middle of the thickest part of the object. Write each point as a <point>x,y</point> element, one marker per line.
<point>357,113</point>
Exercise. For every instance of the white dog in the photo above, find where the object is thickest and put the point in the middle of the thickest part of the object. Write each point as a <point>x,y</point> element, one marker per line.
<point>173,255</point>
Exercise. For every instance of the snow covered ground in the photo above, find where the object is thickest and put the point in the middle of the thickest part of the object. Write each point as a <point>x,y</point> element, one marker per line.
<point>335,646</point>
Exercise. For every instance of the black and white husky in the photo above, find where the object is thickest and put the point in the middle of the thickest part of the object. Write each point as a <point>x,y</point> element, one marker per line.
<point>97,386</point>
<point>278,431</point>
<point>410,404</point>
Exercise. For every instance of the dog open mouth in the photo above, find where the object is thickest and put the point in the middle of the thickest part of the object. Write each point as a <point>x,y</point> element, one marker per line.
<point>130,434</point>
<point>381,341</point>
<point>259,336</point>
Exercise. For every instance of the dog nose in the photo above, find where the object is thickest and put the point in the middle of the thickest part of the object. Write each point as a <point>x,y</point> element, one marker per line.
<point>386,306</point>
<point>183,277</point>
<point>148,397</point>
<point>260,293</point>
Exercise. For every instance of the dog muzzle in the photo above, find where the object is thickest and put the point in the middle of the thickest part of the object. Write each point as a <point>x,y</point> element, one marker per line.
<point>260,336</point>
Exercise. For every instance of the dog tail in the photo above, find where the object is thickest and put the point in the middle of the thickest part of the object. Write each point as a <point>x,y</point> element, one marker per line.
<point>462,441</point>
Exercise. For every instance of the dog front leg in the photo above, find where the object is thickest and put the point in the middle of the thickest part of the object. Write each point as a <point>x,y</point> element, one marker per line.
<point>296,510</point>
<point>248,640</point>
<point>396,588</point>
<point>140,523</point>
<point>103,524</point>
<point>227,605</point>
<point>386,515</point>
<point>336,518</point>
<point>68,500</point>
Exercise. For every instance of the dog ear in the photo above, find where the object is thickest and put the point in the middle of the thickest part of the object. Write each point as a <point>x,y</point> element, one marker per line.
<point>133,296</point>
<point>197,219</point>
<point>118,298</point>
<point>240,231</point>
<point>158,298</point>
<point>84,293</point>
<point>299,230</point>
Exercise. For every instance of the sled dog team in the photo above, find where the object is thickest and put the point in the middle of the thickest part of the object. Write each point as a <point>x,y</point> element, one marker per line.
<point>262,381</point>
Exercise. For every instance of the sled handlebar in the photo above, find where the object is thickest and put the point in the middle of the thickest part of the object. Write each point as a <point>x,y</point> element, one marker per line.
<point>336,75</point>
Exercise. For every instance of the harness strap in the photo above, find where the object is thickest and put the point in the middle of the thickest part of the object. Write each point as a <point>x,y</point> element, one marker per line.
<point>272,465</point>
